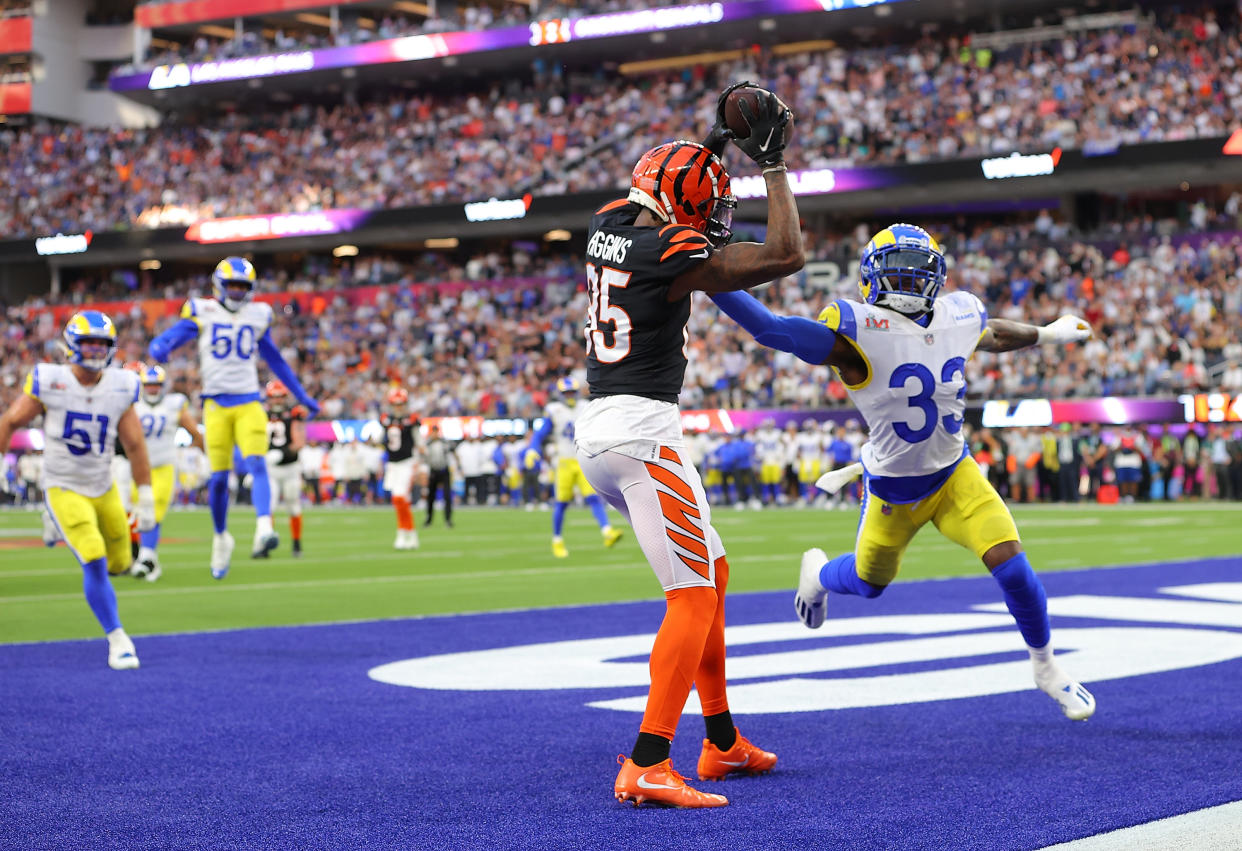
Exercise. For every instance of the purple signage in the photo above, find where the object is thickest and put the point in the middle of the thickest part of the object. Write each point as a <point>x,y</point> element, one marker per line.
<point>416,47</point>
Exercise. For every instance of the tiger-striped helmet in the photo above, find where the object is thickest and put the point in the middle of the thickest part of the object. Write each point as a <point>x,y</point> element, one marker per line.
<point>684,183</point>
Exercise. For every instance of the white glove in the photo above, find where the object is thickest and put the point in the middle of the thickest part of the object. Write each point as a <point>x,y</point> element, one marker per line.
<point>1067,329</point>
<point>144,511</point>
<point>833,481</point>
<point>273,457</point>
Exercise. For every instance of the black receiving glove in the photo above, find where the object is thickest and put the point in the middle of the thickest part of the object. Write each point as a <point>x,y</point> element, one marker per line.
<point>717,139</point>
<point>766,142</point>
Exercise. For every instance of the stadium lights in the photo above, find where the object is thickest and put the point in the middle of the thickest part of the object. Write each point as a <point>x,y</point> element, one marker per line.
<point>672,63</point>
<point>558,235</point>
<point>345,251</point>
<point>150,265</point>
<point>442,242</point>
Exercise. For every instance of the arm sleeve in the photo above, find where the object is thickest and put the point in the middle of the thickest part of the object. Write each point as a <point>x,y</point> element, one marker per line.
<point>541,434</point>
<point>806,339</point>
<point>174,338</point>
<point>282,370</point>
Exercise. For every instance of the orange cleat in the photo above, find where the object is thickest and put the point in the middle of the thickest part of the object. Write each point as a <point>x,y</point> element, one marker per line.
<point>742,758</point>
<point>660,785</point>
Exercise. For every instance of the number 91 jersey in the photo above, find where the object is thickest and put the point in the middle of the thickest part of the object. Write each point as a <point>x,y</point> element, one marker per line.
<point>159,426</point>
<point>227,344</point>
<point>635,336</point>
<point>79,425</point>
<point>914,396</point>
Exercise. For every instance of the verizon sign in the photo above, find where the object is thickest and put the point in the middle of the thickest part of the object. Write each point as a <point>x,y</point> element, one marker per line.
<point>1021,165</point>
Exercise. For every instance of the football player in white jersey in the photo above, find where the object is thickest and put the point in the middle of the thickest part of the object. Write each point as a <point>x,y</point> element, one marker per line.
<point>809,445</point>
<point>161,414</point>
<point>559,418</point>
<point>901,353</point>
<point>86,406</point>
<point>231,328</point>
<point>771,461</point>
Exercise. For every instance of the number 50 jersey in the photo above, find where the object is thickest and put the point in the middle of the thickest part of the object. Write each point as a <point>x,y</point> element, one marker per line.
<point>228,344</point>
<point>79,424</point>
<point>635,336</point>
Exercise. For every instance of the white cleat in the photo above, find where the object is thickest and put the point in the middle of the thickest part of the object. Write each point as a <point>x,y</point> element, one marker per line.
<point>147,568</point>
<point>411,540</point>
<point>51,535</point>
<point>1075,701</point>
<point>264,544</point>
<point>221,555</point>
<point>399,543</point>
<point>121,653</point>
<point>811,601</point>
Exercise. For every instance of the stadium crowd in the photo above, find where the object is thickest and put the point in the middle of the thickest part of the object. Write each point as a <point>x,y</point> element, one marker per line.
<point>1175,76</point>
<point>359,28</point>
<point>491,336</point>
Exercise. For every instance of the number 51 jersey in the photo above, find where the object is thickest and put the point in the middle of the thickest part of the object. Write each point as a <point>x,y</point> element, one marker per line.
<point>914,396</point>
<point>79,424</point>
<point>635,336</point>
<point>228,343</point>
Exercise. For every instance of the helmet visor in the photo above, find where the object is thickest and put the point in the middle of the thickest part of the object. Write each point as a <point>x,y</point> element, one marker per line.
<point>911,271</point>
<point>720,220</point>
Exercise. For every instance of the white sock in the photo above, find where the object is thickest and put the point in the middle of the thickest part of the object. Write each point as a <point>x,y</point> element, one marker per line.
<point>146,553</point>
<point>1041,654</point>
<point>263,526</point>
<point>117,636</point>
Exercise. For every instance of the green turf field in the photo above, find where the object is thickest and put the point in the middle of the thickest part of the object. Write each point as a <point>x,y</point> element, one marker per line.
<point>501,559</point>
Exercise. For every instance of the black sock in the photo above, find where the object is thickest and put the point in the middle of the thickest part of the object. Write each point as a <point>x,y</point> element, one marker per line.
<point>720,730</point>
<point>650,749</point>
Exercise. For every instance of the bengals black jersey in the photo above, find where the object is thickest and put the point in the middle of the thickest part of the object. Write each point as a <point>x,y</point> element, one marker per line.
<point>400,436</point>
<point>280,434</point>
<point>635,335</point>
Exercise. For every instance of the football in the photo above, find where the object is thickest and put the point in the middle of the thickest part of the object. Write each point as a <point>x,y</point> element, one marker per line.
<point>733,115</point>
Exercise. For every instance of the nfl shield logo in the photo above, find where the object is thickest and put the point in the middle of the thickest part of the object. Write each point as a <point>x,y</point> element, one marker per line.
<point>929,339</point>
<point>886,508</point>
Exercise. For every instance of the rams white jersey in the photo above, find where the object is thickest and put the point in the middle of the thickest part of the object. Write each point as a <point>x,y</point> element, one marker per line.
<point>770,446</point>
<point>159,426</point>
<point>915,395</point>
<point>808,445</point>
<point>79,424</point>
<point>563,419</point>
<point>228,344</point>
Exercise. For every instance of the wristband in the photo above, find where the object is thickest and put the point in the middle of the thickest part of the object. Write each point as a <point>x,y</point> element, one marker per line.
<point>145,494</point>
<point>1044,335</point>
<point>779,167</point>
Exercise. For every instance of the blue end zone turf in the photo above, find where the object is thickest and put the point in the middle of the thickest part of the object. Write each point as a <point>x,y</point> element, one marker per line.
<point>278,738</point>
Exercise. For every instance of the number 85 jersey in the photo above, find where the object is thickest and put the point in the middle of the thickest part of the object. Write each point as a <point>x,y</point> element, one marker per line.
<point>635,336</point>
<point>228,343</point>
<point>914,396</point>
<point>79,424</point>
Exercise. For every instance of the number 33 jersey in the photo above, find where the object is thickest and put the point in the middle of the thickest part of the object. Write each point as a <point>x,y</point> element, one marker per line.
<point>228,345</point>
<point>914,396</point>
<point>79,424</point>
<point>635,336</point>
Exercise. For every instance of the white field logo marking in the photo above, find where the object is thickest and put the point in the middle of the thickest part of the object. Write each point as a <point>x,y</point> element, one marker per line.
<point>774,681</point>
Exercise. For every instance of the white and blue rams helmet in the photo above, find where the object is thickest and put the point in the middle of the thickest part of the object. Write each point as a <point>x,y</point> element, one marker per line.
<point>233,272</point>
<point>153,376</point>
<point>902,268</point>
<point>568,385</point>
<point>89,326</point>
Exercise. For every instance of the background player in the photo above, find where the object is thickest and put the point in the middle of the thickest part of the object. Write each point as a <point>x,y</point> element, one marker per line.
<point>645,256</point>
<point>160,414</point>
<point>86,407</point>
<point>286,435</point>
<point>559,418</point>
<point>401,443</point>
<point>901,354</point>
<point>230,328</point>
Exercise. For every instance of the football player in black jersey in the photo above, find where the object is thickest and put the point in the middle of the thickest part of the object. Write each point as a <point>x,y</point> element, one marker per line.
<point>646,254</point>
<point>286,435</point>
<point>401,442</point>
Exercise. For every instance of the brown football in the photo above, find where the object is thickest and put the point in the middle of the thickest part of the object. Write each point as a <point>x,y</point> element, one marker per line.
<point>733,115</point>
